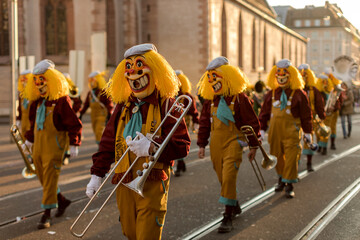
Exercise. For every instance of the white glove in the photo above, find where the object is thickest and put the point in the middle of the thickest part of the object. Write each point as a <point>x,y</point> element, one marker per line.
<point>308,138</point>
<point>27,144</point>
<point>18,123</point>
<point>262,132</point>
<point>140,147</point>
<point>93,185</point>
<point>74,151</point>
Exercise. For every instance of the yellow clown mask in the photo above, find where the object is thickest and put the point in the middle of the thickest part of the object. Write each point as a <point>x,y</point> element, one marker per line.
<point>303,71</point>
<point>139,76</point>
<point>282,76</point>
<point>215,80</point>
<point>92,80</point>
<point>24,78</point>
<point>41,84</point>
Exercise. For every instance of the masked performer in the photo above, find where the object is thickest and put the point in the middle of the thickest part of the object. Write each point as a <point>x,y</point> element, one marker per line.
<point>76,106</point>
<point>52,121</point>
<point>226,108</point>
<point>287,108</point>
<point>316,104</point>
<point>143,86</point>
<point>332,97</point>
<point>22,120</point>
<point>185,88</point>
<point>101,106</point>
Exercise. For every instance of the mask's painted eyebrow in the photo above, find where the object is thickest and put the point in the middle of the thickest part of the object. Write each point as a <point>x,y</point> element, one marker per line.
<point>129,58</point>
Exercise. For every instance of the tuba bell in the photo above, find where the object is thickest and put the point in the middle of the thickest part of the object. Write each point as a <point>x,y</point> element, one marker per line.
<point>321,129</point>
<point>268,162</point>
<point>29,169</point>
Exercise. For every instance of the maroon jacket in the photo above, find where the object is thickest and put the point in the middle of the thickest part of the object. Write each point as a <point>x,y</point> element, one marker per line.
<point>64,119</point>
<point>178,146</point>
<point>193,112</point>
<point>318,102</point>
<point>300,108</point>
<point>102,98</point>
<point>244,115</point>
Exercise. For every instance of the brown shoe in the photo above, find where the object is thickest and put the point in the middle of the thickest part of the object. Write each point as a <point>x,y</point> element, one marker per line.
<point>280,186</point>
<point>45,222</point>
<point>289,191</point>
<point>236,210</point>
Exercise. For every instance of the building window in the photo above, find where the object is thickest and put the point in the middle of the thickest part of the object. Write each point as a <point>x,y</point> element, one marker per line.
<point>240,42</point>
<point>326,61</point>
<point>340,48</point>
<point>314,47</point>
<point>327,21</point>
<point>314,62</point>
<point>297,23</point>
<point>326,34</point>
<point>327,47</point>
<point>314,35</point>
<point>4,28</point>
<point>223,35</point>
<point>340,35</point>
<point>253,55</point>
<point>317,22</point>
<point>56,37</point>
<point>307,23</point>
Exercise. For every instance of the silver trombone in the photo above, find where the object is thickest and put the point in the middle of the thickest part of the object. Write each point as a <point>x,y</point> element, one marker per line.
<point>268,162</point>
<point>137,184</point>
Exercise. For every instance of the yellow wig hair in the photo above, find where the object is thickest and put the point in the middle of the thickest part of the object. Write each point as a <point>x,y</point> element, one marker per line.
<point>163,74</point>
<point>234,81</point>
<point>320,85</point>
<point>311,79</point>
<point>185,83</point>
<point>20,85</point>
<point>56,83</point>
<point>101,79</point>
<point>296,80</point>
<point>334,80</point>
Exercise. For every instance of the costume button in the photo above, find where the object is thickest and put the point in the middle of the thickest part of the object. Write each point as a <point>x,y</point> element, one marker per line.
<point>135,109</point>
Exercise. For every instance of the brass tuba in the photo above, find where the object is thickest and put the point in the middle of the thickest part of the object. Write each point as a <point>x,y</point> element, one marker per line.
<point>268,162</point>
<point>29,170</point>
<point>137,184</point>
<point>321,129</point>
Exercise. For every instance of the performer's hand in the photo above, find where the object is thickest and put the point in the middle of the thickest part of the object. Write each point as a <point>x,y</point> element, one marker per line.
<point>18,123</point>
<point>307,138</point>
<point>262,132</point>
<point>74,151</point>
<point>140,147</point>
<point>252,154</point>
<point>201,153</point>
<point>27,144</point>
<point>93,185</point>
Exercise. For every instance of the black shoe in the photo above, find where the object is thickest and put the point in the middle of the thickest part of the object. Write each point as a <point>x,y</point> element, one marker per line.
<point>280,186</point>
<point>236,211</point>
<point>319,149</point>
<point>180,167</point>
<point>226,224</point>
<point>62,206</point>
<point>289,191</point>
<point>177,172</point>
<point>333,147</point>
<point>349,134</point>
<point>309,167</point>
<point>324,151</point>
<point>45,222</point>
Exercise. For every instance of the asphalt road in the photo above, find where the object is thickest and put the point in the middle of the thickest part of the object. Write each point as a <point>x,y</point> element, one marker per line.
<point>193,197</point>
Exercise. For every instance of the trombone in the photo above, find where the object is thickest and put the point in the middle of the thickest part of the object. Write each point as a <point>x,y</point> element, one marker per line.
<point>29,170</point>
<point>268,162</point>
<point>137,184</point>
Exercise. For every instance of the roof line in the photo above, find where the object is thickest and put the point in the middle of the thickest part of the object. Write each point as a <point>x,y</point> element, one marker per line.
<point>271,20</point>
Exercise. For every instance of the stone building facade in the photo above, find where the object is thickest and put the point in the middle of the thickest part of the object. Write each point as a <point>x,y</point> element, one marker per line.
<point>330,34</point>
<point>188,33</point>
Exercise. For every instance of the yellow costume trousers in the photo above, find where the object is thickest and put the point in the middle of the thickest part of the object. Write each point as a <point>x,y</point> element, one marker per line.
<point>226,156</point>
<point>284,139</point>
<point>307,150</point>
<point>25,122</point>
<point>142,218</point>
<point>98,120</point>
<point>48,150</point>
<point>330,121</point>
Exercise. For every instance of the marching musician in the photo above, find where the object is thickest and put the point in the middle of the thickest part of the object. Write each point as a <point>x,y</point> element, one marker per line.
<point>185,88</point>
<point>22,120</point>
<point>76,106</point>
<point>286,108</point>
<point>331,95</point>
<point>101,106</point>
<point>143,86</point>
<point>52,122</point>
<point>316,104</point>
<point>226,108</point>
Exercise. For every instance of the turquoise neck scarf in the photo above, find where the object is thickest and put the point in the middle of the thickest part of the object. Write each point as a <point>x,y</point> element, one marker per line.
<point>25,103</point>
<point>40,116</point>
<point>135,123</point>
<point>93,95</point>
<point>283,100</point>
<point>224,113</point>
